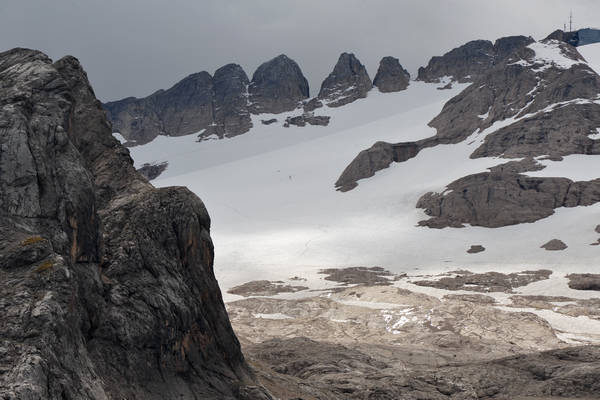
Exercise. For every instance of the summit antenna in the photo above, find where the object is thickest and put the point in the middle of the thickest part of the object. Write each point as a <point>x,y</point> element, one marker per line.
<point>571,21</point>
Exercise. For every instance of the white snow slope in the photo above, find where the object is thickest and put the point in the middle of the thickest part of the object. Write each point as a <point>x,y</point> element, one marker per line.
<point>275,213</point>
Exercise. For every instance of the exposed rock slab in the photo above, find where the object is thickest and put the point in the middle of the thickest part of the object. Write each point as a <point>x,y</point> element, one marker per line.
<point>264,288</point>
<point>349,81</point>
<point>584,281</point>
<point>359,276</point>
<point>363,347</point>
<point>502,198</point>
<point>391,77</point>
<point>486,282</point>
<point>153,171</point>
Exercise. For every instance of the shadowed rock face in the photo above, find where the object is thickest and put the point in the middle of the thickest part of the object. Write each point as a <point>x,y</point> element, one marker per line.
<point>106,283</point>
<point>183,109</point>
<point>494,199</point>
<point>277,86</point>
<point>391,77</point>
<point>347,82</point>
<point>471,60</point>
<point>231,114</point>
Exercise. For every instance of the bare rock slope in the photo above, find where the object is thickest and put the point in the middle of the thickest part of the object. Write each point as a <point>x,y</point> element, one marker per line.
<point>106,283</point>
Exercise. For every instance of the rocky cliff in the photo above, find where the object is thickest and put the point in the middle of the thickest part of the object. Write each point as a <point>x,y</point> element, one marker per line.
<point>535,100</point>
<point>106,283</point>
<point>216,106</point>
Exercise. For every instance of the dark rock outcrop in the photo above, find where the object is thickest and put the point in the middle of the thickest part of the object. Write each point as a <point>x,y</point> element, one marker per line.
<point>152,171</point>
<point>500,198</point>
<point>106,284</point>
<point>550,110</point>
<point>349,81</point>
<point>308,118</point>
<point>231,114</point>
<point>312,369</point>
<point>277,86</point>
<point>376,158</point>
<point>486,282</point>
<point>476,248</point>
<point>554,244</point>
<point>199,103</point>
<point>471,60</point>
<point>584,281</point>
<point>181,110</point>
<point>391,77</point>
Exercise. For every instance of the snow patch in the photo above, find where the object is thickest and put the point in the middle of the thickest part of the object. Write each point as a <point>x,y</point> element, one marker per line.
<point>120,137</point>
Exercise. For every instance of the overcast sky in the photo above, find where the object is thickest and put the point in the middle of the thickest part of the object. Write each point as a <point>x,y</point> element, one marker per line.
<point>134,47</point>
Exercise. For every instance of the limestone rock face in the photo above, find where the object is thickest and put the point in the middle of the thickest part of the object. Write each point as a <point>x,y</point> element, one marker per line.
<point>391,77</point>
<point>231,114</point>
<point>106,283</point>
<point>471,60</point>
<point>183,109</point>
<point>277,86</point>
<point>349,81</point>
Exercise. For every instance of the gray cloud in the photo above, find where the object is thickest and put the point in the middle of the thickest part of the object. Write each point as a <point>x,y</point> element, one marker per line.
<point>134,47</point>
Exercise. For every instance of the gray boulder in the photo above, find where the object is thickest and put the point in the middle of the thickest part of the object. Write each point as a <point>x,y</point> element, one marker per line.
<point>107,288</point>
<point>302,120</point>
<point>391,77</point>
<point>347,82</point>
<point>277,85</point>
<point>554,245</point>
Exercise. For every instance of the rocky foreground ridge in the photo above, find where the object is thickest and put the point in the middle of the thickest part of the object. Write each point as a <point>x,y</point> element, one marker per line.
<point>106,284</point>
<point>527,100</point>
<point>222,105</point>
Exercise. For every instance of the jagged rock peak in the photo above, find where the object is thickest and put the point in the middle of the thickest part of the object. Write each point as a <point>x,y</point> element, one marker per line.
<point>347,82</point>
<point>110,280</point>
<point>391,77</point>
<point>277,85</point>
